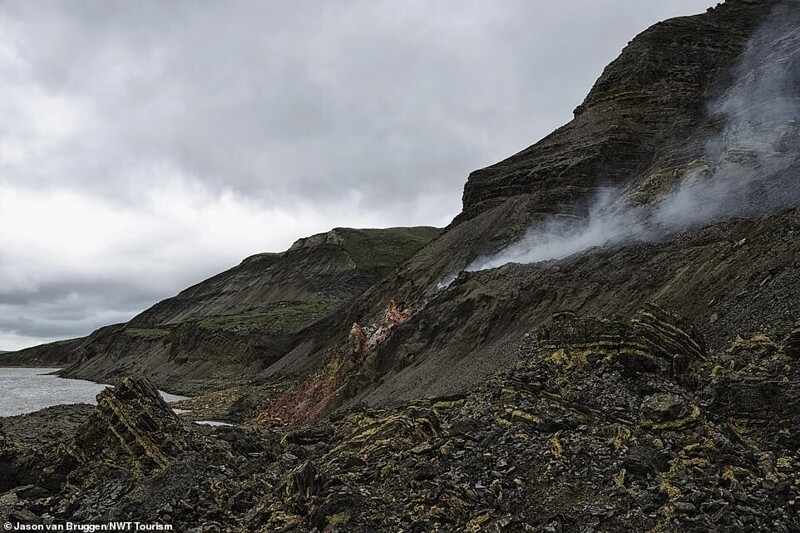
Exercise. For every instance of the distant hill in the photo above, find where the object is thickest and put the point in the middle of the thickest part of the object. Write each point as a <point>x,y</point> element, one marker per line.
<point>316,274</point>
<point>53,354</point>
<point>240,321</point>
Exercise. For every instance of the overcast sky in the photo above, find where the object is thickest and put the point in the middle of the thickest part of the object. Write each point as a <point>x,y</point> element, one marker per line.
<point>147,145</point>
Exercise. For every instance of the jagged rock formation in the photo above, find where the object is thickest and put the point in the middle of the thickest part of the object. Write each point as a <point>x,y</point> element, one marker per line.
<point>347,367</point>
<point>131,433</point>
<point>132,427</point>
<point>791,345</point>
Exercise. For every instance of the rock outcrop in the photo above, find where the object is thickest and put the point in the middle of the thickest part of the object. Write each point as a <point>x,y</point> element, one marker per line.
<point>132,428</point>
<point>791,345</point>
<point>348,367</point>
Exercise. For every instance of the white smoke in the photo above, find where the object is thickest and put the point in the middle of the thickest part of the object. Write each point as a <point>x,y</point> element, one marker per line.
<point>563,235</point>
<point>746,169</point>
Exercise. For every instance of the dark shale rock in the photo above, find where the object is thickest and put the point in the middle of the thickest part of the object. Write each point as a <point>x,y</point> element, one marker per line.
<point>308,436</point>
<point>567,438</point>
<point>53,425</point>
<point>663,407</point>
<point>132,426</point>
<point>791,344</point>
<point>635,121</point>
<point>303,482</point>
<point>654,340</point>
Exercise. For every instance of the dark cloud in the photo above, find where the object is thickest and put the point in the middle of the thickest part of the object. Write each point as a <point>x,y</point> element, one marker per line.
<point>314,114</point>
<point>72,307</point>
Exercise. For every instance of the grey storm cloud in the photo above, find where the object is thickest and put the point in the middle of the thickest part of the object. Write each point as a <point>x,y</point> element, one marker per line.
<point>337,113</point>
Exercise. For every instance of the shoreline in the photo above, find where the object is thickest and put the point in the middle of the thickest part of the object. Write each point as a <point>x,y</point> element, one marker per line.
<point>55,370</point>
<point>31,390</point>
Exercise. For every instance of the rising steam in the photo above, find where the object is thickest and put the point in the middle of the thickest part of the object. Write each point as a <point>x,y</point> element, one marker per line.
<point>748,169</point>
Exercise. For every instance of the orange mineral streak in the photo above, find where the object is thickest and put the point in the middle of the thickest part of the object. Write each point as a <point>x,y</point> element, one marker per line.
<point>327,388</point>
<point>395,316</point>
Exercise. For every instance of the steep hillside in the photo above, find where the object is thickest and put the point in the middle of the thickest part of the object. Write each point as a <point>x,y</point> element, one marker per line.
<point>656,124</point>
<point>54,354</point>
<point>642,116</point>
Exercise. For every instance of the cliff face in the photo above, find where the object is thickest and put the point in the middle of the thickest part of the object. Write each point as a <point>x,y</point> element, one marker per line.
<point>642,116</point>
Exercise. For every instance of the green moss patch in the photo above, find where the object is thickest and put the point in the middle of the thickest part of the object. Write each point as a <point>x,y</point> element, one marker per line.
<point>283,317</point>
<point>146,333</point>
<point>375,248</point>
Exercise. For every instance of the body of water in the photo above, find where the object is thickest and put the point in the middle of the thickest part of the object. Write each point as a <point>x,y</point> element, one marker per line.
<point>25,390</point>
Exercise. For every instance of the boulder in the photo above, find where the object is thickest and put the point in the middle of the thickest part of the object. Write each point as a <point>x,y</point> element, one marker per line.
<point>132,427</point>
<point>663,407</point>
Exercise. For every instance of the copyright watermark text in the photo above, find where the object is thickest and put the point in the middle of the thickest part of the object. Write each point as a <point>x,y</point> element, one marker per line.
<point>87,528</point>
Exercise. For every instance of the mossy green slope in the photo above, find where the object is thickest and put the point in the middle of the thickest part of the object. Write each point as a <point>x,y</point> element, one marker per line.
<point>380,248</point>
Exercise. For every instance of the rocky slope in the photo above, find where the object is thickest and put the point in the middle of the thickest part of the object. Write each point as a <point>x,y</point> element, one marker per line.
<point>54,354</point>
<point>600,425</point>
<point>328,267</point>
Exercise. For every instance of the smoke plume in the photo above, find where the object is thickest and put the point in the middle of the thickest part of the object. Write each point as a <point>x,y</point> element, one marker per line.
<point>747,169</point>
